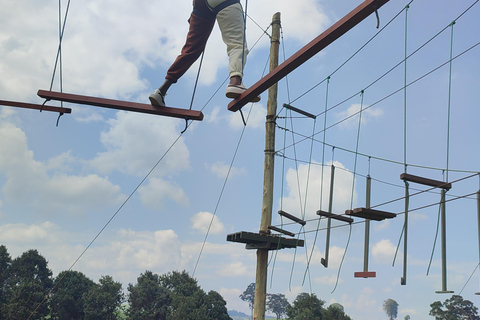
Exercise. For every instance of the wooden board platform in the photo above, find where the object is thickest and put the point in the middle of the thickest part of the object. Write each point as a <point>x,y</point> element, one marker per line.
<point>291,217</point>
<point>122,105</point>
<point>34,106</point>
<point>425,181</point>
<point>264,241</point>
<point>308,51</point>
<point>365,274</point>
<point>370,214</point>
<point>334,216</point>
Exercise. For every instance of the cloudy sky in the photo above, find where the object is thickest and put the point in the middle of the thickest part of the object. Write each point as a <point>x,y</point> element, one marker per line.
<point>61,185</point>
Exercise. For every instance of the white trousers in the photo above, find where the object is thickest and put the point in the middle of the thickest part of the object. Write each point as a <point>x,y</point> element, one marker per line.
<point>231,23</point>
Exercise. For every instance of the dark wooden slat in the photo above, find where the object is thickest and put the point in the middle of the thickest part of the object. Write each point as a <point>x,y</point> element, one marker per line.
<point>334,216</point>
<point>265,241</point>
<point>293,218</point>
<point>34,106</point>
<point>370,214</point>
<point>122,105</point>
<point>365,274</point>
<point>425,181</point>
<point>285,232</point>
<point>315,46</point>
<point>305,113</point>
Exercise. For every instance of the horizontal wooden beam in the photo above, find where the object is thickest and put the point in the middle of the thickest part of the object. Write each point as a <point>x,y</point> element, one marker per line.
<point>425,181</point>
<point>34,106</point>
<point>285,232</point>
<point>122,105</point>
<point>305,113</point>
<point>291,217</point>
<point>334,216</point>
<point>315,46</point>
<point>365,274</point>
<point>264,241</point>
<point>370,214</point>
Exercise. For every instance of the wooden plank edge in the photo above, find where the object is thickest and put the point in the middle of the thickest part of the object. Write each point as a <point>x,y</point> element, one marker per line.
<point>34,106</point>
<point>121,105</point>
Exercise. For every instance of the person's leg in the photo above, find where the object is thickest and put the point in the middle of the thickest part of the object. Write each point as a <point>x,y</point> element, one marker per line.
<point>201,21</point>
<point>232,25</point>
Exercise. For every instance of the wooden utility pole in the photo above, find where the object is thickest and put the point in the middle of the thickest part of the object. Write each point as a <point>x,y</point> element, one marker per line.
<point>267,203</point>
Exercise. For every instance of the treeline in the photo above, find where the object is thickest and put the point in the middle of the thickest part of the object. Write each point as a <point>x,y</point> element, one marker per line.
<point>28,290</point>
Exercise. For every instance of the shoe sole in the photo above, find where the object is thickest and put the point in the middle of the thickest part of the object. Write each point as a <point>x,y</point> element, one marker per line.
<point>155,102</point>
<point>233,95</point>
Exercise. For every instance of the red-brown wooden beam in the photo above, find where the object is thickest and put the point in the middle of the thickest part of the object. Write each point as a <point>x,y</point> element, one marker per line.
<point>315,46</point>
<point>34,106</point>
<point>365,274</point>
<point>370,214</point>
<point>122,105</point>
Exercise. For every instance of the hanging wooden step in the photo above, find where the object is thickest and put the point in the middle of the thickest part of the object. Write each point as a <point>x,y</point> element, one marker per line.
<point>285,232</point>
<point>425,181</point>
<point>365,274</point>
<point>264,241</point>
<point>122,105</point>
<point>291,217</point>
<point>334,216</point>
<point>370,214</point>
<point>35,106</point>
<point>302,112</point>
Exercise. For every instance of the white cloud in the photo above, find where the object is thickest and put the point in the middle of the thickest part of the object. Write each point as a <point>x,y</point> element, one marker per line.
<point>221,170</point>
<point>365,300</point>
<point>235,269</point>
<point>27,234</point>
<point>203,220</point>
<point>294,202</point>
<point>157,191</point>
<point>383,251</point>
<point>29,179</point>
<point>135,142</point>
<point>353,112</point>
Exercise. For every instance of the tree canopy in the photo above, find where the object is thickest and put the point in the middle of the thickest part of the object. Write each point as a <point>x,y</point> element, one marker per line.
<point>277,304</point>
<point>390,307</point>
<point>454,308</point>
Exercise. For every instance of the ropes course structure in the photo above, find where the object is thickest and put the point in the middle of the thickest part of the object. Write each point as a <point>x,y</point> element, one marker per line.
<point>319,196</point>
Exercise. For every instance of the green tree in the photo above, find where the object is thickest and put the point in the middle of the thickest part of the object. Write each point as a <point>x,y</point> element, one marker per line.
<point>277,304</point>
<point>335,311</point>
<point>103,300</point>
<point>148,300</point>
<point>390,307</point>
<point>5,263</point>
<point>306,307</point>
<point>28,283</point>
<point>67,301</point>
<point>455,308</point>
<point>249,296</point>
<point>216,306</point>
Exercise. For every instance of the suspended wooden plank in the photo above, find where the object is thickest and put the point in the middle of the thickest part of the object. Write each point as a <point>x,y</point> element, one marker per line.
<point>122,105</point>
<point>264,241</point>
<point>315,46</point>
<point>371,214</point>
<point>425,181</point>
<point>365,274</point>
<point>285,232</point>
<point>302,112</point>
<point>291,217</point>
<point>34,106</point>
<point>334,216</point>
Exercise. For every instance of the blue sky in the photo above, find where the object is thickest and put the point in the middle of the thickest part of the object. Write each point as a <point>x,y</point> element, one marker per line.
<point>60,185</point>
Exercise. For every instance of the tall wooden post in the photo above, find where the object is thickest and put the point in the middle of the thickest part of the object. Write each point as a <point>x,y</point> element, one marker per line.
<point>267,204</point>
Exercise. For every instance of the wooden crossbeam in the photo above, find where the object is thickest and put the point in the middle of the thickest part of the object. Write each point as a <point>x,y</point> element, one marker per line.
<point>370,214</point>
<point>334,216</point>
<point>425,181</point>
<point>122,105</point>
<point>285,232</point>
<point>305,113</point>
<point>291,217</point>
<point>315,46</point>
<point>365,274</point>
<point>34,106</point>
<point>264,241</point>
